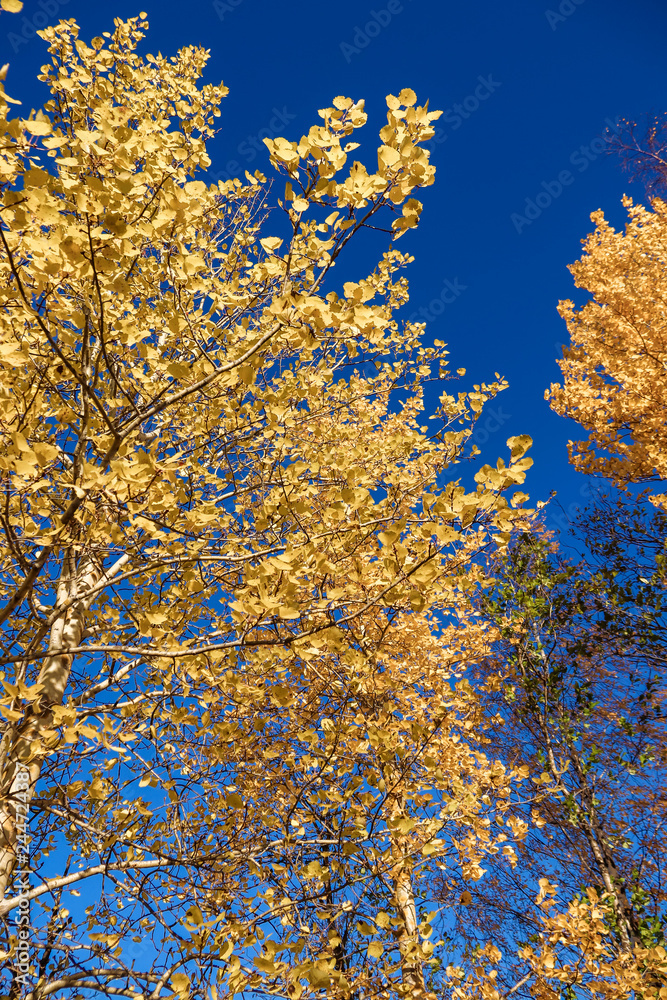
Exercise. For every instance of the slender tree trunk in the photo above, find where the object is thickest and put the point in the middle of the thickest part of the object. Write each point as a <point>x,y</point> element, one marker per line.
<point>26,741</point>
<point>412,973</point>
<point>625,916</point>
<point>408,938</point>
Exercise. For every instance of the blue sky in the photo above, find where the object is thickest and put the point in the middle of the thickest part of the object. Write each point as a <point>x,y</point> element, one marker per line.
<point>528,86</point>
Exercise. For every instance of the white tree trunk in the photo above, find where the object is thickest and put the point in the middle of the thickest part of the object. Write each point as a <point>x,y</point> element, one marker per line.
<point>26,742</point>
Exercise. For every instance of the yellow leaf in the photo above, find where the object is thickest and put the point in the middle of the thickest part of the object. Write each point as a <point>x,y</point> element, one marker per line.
<point>45,452</point>
<point>519,444</point>
<point>97,789</point>
<point>195,188</point>
<point>37,127</point>
<point>407,97</point>
<point>387,157</point>
<point>265,965</point>
<point>23,467</point>
<point>195,916</point>
<point>271,243</point>
<point>181,984</point>
<point>226,949</point>
<point>13,6</point>
<point>318,975</point>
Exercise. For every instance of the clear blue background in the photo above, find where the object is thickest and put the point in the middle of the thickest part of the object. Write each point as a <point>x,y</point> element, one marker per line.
<point>564,69</point>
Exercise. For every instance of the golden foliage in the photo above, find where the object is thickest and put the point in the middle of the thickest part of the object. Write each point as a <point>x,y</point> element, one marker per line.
<point>234,565</point>
<point>614,374</point>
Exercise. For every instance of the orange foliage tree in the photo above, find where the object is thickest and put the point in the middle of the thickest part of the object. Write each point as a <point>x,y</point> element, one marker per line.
<point>615,367</point>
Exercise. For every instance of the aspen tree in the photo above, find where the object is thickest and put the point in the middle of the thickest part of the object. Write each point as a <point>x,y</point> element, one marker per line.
<point>614,369</point>
<point>232,552</point>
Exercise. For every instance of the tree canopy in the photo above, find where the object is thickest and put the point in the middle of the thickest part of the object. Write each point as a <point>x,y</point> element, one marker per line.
<point>295,701</point>
<point>614,381</point>
<point>236,566</point>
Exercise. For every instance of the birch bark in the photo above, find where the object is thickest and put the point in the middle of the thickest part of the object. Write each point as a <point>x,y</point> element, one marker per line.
<point>28,741</point>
